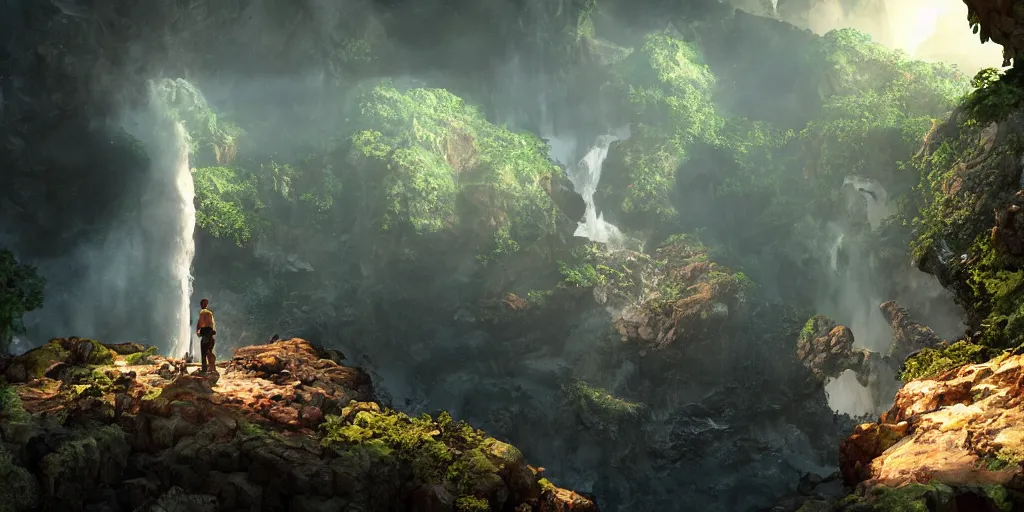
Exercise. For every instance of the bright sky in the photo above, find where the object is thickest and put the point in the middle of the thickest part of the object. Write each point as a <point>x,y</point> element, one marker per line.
<point>934,30</point>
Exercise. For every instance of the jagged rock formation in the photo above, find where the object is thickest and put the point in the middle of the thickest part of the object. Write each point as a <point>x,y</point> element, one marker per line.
<point>956,438</point>
<point>908,335</point>
<point>826,348</point>
<point>284,426</point>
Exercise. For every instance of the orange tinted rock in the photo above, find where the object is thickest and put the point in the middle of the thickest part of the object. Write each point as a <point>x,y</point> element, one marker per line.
<point>962,428</point>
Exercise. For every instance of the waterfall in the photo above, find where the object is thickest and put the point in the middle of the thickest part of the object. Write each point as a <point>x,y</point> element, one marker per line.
<point>186,244</point>
<point>872,196</point>
<point>585,175</point>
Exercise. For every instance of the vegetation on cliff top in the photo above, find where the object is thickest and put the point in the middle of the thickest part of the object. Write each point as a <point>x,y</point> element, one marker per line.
<point>431,163</point>
<point>967,174</point>
<point>932,362</point>
<point>21,291</point>
<point>876,104</point>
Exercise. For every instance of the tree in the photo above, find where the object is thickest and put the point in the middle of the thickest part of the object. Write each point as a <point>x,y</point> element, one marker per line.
<point>21,291</point>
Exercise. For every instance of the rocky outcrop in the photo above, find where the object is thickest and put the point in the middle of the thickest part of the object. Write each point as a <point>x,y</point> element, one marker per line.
<point>959,432</point>
<point>647,361</point>
<point>282,426</point>
<point>1008,231</point>
<point>680,296</point>
<point>1002,21</point>
<point>826,349</point>
<point>908,335</point>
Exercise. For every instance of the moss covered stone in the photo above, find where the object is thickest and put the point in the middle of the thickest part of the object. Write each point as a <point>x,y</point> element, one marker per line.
<point>19,490</point>
<point>911,498</point>
<point>598,408</point>
<point>144,357</point>
<point>438,452</point>
<point>11,409</point>
<point>931,362</point>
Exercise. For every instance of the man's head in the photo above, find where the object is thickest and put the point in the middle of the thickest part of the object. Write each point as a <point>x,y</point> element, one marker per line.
<point>203,303</point>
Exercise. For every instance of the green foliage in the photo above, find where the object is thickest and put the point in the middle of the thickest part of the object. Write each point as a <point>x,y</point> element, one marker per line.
<point>931,362</point>
<point>593,265</point>
<point>471,504</point>
<point>250,429</point>
<point>539,298</point>
<point>598,403</point>
<point>21,291</point>
<point>996,95</point>
<point>998,497</point>
<point>668,90</point>
<point>882,104</point>
<point>812,326</point>
<point>228,203</point>
<point>911,497</point>
<point>439,452</point>
<point>139,358</point>
<point>10,404</point>
<point>583,275</point>
<point>943,218</point>
<point>186,103</point>
<point>435,162</point>
<point>995,282</point>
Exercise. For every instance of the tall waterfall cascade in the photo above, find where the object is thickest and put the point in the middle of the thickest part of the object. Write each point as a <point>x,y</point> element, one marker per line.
<point>585,175</point>
<point>186,243</point>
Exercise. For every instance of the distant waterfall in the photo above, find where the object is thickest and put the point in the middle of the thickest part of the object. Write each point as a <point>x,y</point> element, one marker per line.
<point>585,175</point>
<point>186,244</point>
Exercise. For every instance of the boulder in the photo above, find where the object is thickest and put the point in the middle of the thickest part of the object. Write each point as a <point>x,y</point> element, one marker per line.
<point>960,430</point>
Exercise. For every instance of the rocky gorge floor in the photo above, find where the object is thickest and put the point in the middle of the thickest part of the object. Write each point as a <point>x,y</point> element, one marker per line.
<point>283,426</point>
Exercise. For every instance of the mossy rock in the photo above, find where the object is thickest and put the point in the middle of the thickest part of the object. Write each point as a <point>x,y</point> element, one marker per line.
<point>19,489</point>
<point>932,362</point>
<point>11,409</point>
<point>138,358</point>
<point>911,498</point>
<point>34,363</point>
<point>439,452</point>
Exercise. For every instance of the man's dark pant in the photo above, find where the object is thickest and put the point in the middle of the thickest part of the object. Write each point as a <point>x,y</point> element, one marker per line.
<point>206,342</point>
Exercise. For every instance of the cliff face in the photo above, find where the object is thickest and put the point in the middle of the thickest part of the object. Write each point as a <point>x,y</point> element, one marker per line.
<point>952,441</point>
<point>1002,21</point>
<point>285,426</point>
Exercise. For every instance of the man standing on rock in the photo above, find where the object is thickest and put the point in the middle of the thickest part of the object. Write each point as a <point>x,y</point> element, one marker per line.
<point>206,328</point>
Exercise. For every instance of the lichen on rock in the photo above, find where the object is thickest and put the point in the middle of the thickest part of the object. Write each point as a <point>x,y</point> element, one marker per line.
<point>283,425</point>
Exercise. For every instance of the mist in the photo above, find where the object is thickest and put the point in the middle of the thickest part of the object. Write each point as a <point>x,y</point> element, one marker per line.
<point>119,283</point>
<point>932,30</point>
<point>594,232</point>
